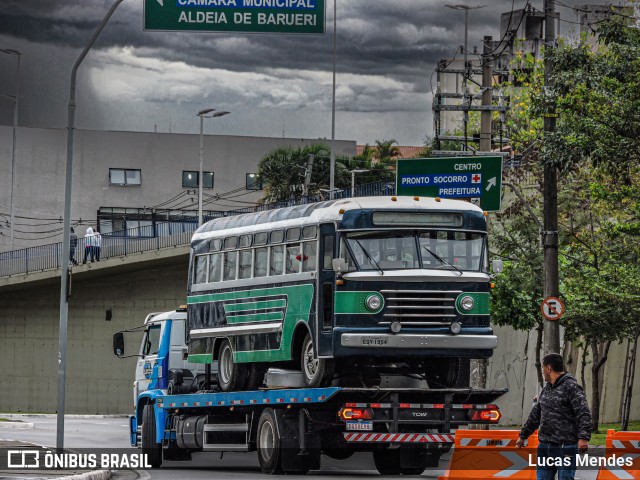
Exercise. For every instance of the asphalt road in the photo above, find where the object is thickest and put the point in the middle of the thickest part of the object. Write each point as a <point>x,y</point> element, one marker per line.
<point>113,432</point>
<point>97,432</point>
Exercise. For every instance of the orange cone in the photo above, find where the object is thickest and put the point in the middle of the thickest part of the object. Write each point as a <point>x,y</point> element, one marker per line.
<point>482,454</point>
<point>623,456</point>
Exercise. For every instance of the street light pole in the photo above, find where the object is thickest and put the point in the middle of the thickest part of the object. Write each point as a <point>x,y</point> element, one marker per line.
<point>332,161</point>
<point>66,238</point>
<point>353,180</point>
<point>16,98</point>
<point>203,114</point>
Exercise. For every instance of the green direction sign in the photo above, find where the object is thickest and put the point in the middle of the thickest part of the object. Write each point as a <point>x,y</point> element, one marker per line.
<point>240,16</point>
<point>477,179</point>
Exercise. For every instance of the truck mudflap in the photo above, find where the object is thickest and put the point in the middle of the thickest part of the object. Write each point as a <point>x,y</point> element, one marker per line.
<point>398,438</point>
<point>134,433</point>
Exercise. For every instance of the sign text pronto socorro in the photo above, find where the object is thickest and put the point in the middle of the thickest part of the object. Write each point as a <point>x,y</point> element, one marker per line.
<point>241,16</point>
<point>477,179</point>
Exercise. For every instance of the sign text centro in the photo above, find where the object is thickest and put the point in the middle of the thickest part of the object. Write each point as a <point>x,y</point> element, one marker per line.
<point>477,179</point>
<point>240,16</point>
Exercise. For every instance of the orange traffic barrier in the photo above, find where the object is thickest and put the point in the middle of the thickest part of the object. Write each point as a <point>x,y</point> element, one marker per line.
<point>481,454</point>
<point>622,457</point>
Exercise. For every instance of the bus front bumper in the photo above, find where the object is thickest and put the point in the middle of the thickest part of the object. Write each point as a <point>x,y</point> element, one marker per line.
<point>418,341</point>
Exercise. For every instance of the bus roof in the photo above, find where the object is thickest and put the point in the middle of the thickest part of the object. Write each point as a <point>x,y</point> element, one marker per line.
<point>328,211</point>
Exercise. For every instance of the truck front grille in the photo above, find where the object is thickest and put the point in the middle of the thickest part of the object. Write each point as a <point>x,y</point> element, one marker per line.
<point>420,307</point>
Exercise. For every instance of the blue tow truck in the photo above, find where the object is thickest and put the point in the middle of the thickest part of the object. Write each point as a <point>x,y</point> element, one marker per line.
<point>180,410</point>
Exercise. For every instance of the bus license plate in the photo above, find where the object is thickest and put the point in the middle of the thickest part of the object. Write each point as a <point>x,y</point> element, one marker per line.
<point>374,341</point>
<point>355,425</point>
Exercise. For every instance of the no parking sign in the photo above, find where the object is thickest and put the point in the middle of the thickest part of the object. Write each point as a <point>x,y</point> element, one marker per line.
<point>552,308</point>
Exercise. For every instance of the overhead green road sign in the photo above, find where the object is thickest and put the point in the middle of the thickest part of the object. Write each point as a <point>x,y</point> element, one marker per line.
<point>238,16</point>
<point>478,179</point>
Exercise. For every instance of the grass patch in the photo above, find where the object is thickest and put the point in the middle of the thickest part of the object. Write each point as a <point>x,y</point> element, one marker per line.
<point>599,439</point>
<point>8,420</point>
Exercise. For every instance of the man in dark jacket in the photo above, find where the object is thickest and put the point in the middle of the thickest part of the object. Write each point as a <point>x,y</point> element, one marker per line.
<point>562,417</point>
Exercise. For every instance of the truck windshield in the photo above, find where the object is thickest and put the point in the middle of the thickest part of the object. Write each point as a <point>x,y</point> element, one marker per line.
<point>151,343</point>
<point>434,249</point>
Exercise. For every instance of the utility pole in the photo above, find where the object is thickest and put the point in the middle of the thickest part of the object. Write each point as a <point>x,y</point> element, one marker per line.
<point>487,95</point>
<point>307,174</point>
<point>550,237</point>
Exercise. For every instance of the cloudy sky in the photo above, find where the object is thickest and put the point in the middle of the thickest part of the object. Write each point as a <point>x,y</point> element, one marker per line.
<point>274,85</point>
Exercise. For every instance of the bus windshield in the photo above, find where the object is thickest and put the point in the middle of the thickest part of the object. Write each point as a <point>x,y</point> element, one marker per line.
<point>434,249</point>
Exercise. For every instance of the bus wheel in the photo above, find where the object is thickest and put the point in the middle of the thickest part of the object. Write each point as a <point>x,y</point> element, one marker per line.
<point>152,449</point>
<point>447,372</point>
<point>256,375</point>
<point>231,376</point>
<point>387,462</point>
<point>317,372</point>
<point>268,444</point>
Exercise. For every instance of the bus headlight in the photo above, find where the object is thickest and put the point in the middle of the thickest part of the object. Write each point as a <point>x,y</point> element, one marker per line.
<point>373,302</point>
<point>455,328</point>
<point>467,303</point>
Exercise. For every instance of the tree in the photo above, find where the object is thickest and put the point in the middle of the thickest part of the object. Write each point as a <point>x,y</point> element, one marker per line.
<point>283,171</point>
<point>596,147</point>
<point>386,152</point>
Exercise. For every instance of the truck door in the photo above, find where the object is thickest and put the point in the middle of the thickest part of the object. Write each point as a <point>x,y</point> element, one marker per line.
<point>178,351</point>
<point>148,356</point>
<point>326,285</point>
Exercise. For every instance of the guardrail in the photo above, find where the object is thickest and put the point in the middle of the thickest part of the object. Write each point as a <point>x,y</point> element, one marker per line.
<point>155,237</point>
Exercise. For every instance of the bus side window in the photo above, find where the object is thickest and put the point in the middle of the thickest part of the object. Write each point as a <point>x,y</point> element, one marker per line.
<point>329,254</point>
<point>260,264</point>
<point>230,261</point>
<point>245,264</point>
<point>309,256</point>
<point>294,258</point>
<point>215,267</point>
<point>277,263</point>
<point>201,269</point>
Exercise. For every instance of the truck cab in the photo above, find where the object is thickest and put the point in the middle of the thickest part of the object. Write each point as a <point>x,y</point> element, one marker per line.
<point>162,365</point>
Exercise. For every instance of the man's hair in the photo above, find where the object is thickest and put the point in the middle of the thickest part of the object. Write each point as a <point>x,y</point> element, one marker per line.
<point>555,360</point>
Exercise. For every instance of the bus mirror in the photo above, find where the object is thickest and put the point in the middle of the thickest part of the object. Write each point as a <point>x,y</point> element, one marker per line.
<point>118,344</point>
<point>497,266</point>
<point>339,264</point>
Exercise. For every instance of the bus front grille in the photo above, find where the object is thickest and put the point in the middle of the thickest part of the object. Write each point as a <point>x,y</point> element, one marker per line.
<point>420,307</point>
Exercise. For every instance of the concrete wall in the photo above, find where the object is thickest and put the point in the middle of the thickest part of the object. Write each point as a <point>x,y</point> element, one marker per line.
<point>162,157</point>
<point>97,381</point>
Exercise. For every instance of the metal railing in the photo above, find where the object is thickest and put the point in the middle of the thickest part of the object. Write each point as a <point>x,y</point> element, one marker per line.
<point>152,237</point>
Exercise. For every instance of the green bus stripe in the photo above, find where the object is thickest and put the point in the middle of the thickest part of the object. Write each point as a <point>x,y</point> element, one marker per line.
<point>251,306</point>
<point>245,294</point>
<point>201,358</point>
<point>257,317</point>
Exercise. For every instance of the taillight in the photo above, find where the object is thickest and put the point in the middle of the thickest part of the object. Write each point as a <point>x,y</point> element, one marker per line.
<point>486,415</point>
<point>355,413</point>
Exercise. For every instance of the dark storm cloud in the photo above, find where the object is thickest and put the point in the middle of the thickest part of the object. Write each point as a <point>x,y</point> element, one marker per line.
<point>387,51</point>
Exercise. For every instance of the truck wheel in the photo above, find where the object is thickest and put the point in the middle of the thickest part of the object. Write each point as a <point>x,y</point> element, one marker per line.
<point>268,443</point>
<point>447,372</point>
<point>387,462</point>
<point>152,449</point>
<point>317,372</point>
<point>231,376</point>
<point>415,462</point>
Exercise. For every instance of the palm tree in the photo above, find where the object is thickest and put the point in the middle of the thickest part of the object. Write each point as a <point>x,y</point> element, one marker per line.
<point>386,152</point>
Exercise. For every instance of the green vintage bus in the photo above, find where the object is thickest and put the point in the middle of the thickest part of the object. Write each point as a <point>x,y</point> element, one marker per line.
<point>344,291</point>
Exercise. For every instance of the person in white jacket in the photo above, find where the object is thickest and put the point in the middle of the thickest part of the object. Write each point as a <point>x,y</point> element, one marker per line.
<point>89,245</point>
<point>97,244</point>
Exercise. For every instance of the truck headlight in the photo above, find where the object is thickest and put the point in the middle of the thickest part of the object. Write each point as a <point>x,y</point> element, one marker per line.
<point>467,303</point>
<point>373,302</point>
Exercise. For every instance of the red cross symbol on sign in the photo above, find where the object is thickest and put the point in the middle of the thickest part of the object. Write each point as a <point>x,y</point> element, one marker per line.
<point>475,178</point>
